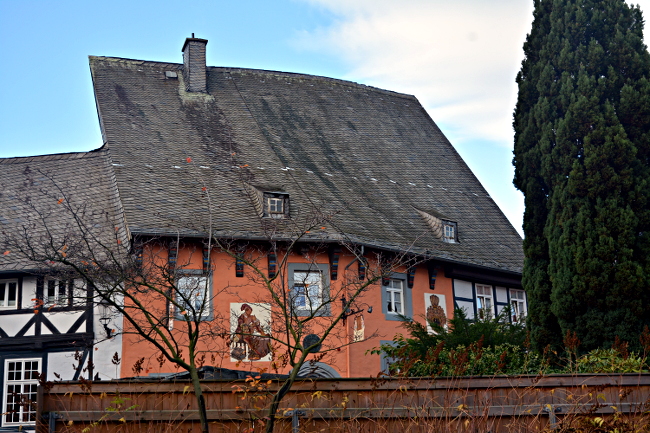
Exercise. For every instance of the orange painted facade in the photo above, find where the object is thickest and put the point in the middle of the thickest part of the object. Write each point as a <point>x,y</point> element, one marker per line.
<point>348,358</point>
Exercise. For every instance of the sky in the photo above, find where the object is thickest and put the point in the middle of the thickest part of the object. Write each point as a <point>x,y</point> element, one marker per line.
<point>460,59</point>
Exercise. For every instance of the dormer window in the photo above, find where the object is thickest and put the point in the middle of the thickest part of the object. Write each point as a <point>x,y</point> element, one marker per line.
<point>449,233</point>
<point>276,205</point>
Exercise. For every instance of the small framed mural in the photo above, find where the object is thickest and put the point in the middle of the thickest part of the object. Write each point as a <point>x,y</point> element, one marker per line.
<point>436,310</point>
<point>250,327</point>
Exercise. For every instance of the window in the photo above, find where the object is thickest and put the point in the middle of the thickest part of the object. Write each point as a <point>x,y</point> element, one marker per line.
<point>309,289</point>
<point>192,295</point>
<point>517,305</point>
<point>449,232</point>
<point>276,205</point>
<point>484,304</point>
<point>307,292</point>
<point>395,296</point>
<point>20,385</point>
<point>8,293</point>
<point>56,292</point>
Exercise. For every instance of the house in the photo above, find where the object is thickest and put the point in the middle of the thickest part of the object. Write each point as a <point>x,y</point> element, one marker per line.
<point>46,327</point>
<point>315,179</point>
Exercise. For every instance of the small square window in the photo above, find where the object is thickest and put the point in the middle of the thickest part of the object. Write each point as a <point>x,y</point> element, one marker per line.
<point>276,205</point>
<point>449,234</point>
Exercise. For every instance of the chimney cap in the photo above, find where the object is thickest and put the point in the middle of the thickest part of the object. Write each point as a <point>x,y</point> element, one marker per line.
<point>188,40</point>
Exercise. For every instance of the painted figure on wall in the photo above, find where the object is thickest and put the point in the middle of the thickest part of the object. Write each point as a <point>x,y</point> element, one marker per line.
<point>249,339</point>
<point>435,312</point>
<point>359,328</point>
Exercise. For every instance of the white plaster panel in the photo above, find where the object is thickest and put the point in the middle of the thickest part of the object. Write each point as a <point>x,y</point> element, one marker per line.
<point>502,294</point>
<point>463,289</point>
<point>63,321</point>
<point>13,323</point>
<point>28,292</point>
<point>61,363</point>
<point>500,309</point>
<point>468,307</point>
<point>107,347</point>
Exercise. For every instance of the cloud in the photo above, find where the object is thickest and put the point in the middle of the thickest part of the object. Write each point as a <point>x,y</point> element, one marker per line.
<point>459,58</point>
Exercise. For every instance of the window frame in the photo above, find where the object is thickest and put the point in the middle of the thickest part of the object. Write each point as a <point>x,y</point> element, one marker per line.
<point>208,313</point>
<point>481,297</point>
<point>22,383</point>
<point>515,315</point>
<point>454,235</point>
<point>4,294</point>
<point>407,298</point>
<point>391,294</point>
<point>271,197</point>
<point>323,308</point>
<point>66,295</point>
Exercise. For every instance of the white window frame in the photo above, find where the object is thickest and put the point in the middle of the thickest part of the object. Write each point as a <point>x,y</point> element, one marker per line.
<point>276,205</point>
<point>484,301</point>
<point>395,294</point>
<point>193,284</point>
<point>60,293</point>
<point>449,229</point>
<point>518,305</point>
<point>307,292</point>
<point>4,294</point>
<point>22,382</point>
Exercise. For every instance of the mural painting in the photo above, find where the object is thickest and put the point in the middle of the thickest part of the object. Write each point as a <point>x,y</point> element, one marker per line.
<point>250,325</point>
<point>359,328</point>
<point>436,310</point>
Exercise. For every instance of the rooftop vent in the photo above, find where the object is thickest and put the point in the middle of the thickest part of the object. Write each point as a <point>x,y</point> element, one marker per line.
<point>194,70</point>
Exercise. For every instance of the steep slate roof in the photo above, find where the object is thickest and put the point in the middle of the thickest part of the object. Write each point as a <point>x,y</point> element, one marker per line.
<point>41,197</point>
<point>371,157</point>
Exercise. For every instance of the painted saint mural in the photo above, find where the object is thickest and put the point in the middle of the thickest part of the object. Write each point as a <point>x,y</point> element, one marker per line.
<point>436,310</point>
<point>359,328</point>
<point>250,325</point>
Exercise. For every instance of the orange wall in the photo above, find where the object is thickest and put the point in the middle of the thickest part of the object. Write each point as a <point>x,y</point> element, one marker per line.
<point>349,360</point>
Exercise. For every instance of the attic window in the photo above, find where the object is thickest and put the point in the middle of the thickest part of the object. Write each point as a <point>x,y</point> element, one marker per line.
<point>276,205</point>
<point>450,232</point>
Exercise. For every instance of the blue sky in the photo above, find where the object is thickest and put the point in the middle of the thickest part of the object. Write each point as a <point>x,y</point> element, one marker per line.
<point>458,57</point>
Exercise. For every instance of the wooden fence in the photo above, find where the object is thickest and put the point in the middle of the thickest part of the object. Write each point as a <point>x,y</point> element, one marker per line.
<point>472,404</point>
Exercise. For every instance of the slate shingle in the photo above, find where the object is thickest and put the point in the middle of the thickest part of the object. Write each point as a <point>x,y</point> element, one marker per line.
<point>40,197</point>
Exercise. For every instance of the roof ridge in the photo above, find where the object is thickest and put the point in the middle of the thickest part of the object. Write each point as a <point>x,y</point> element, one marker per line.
<point>52,156</point>
<point>265,72</point>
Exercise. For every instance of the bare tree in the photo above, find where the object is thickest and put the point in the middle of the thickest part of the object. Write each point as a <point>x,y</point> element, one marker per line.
<point>166,301</point>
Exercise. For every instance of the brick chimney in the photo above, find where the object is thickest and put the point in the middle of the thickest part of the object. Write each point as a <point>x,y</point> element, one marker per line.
<point>194,71</point>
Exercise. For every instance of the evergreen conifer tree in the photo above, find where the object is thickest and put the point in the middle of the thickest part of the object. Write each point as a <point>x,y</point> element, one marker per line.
<point>582,160</point>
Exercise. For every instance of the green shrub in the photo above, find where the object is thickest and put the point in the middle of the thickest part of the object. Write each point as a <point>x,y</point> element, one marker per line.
<point>609,361</point>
